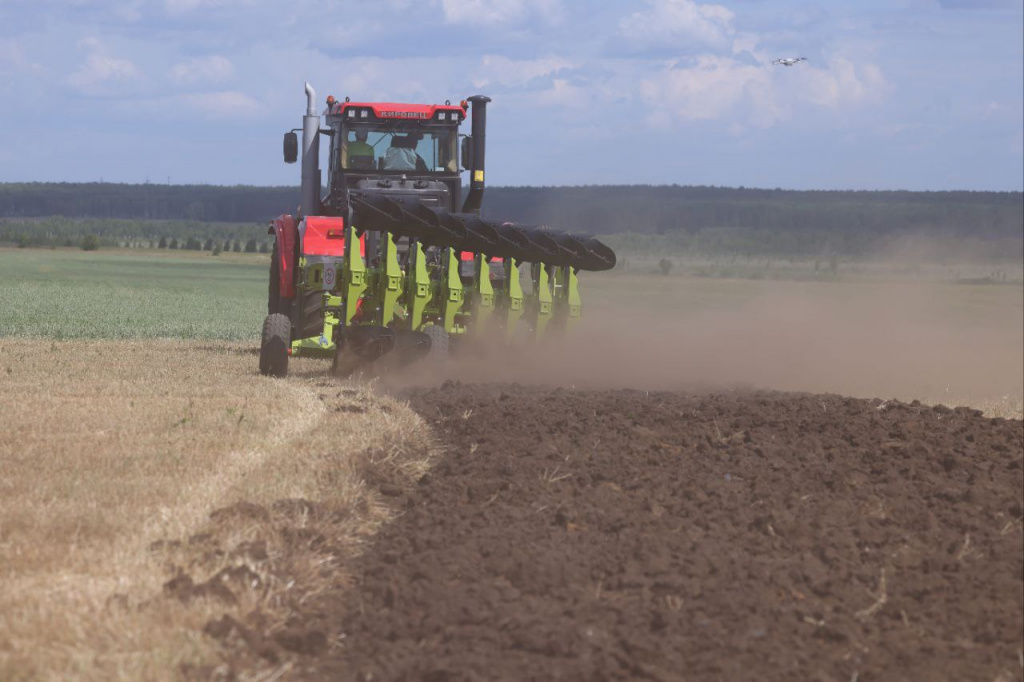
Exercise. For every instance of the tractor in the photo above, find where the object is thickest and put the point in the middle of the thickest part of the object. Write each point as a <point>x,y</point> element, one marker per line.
<point>391,260</point>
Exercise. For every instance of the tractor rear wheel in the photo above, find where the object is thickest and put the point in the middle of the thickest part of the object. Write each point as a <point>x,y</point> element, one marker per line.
<point>438,343</point>
<point>274,345</point>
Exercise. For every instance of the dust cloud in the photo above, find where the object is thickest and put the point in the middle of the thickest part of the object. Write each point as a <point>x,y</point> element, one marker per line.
<point>933,342</point>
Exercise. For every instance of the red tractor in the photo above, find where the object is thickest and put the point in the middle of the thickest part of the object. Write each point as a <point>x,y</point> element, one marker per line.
<point>394,259</point>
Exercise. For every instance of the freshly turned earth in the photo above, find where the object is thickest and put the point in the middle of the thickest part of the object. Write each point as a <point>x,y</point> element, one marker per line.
<point>625,535</point>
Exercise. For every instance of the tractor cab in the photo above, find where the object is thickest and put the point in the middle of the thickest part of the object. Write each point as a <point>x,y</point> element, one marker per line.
<point>402,150</point>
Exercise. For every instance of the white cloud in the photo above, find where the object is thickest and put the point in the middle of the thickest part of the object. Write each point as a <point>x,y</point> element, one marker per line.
<point>709,89</point>
<point>99,68</point>
<point>745,42</point>
<point>1016,145</point>
<point>496,70</point>
<point>807,15</point>
<point>129,12</point>
<point>185,6</point>
<point>564,94</point>
<point>275,74</point>
<point>99,71</point>
<point>499,11</point>
<point>736,93</point>
<point>14,63</point>
<point>351,32</point>
<point>978,4</point>
<point>90,43</point>
<point>841,83</point>
<point>682,25</point>
<point>13,59</point>
<point>213,68</point>
<point>228,103</point>
<point>213,105</point>
<point>178,6</point>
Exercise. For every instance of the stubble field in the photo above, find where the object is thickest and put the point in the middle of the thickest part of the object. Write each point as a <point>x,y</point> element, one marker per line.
<point>148,488</point>
<point>166,512</point>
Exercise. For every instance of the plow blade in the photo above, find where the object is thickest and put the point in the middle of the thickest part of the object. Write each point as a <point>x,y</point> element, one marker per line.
<point>583,252</point>
<point>467,232</point>
<point>365,344</point>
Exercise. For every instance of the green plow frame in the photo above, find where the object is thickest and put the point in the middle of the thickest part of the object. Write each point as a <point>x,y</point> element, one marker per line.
<point>410,287</point>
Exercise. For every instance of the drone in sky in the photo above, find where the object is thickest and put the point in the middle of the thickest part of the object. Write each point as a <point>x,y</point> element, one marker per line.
<point>790,61</point>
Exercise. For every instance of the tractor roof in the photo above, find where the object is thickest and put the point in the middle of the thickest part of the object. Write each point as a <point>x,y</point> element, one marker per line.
<point>398,110</point>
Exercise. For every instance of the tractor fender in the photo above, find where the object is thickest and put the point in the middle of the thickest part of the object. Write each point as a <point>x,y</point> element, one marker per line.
<point>286,233</point>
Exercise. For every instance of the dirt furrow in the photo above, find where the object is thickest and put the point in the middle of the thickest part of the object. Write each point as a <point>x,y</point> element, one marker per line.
<point>629,535</point>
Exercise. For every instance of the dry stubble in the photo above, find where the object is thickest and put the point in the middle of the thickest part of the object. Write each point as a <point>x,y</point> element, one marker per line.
<point>113,456</point>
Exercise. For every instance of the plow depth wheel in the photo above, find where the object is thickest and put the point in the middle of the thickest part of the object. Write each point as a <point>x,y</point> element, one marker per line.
<point>274,344</point>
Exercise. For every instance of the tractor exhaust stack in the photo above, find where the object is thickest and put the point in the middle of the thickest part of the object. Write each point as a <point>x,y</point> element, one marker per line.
<point>476,175</point>
<point>310,193</point>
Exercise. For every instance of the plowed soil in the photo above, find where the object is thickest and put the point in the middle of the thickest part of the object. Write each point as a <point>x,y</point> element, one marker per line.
<point>625,535</point>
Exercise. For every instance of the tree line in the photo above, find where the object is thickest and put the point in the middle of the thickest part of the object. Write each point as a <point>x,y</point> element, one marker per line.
<point>646,219</point>
<point>199,203</point>
<point>164,234</point>
<point>676,210</point>
<point>598,209</point>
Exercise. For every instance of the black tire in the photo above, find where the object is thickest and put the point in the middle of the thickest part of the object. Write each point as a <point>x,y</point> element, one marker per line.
<point>438,343</point>
<point>274,345</point>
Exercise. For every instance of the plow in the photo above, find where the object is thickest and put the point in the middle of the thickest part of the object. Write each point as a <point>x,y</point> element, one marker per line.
<point>392,263</point>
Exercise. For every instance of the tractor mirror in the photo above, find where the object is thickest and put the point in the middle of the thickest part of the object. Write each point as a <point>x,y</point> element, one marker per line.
<point>291,147</point>
<point>467,152</point>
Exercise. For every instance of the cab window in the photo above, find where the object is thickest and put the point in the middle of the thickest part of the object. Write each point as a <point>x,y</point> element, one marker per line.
<point>399,147</point>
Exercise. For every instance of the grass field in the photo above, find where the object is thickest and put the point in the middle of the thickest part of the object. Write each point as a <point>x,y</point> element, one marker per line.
<point>132,409</point>
<point>70,294</point>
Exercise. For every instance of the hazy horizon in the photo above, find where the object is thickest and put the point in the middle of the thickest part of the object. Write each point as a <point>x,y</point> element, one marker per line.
<point>491,186</point>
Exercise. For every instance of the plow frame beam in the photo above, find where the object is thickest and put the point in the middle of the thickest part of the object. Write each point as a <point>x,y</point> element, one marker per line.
<point>386,281</point>
<point>353,277</point>
<point>450,290</point>
<point>567,304</point>
<point>542,299</point>
<point>512,297</point>
<point>482,306</point>
<point>417,286</point>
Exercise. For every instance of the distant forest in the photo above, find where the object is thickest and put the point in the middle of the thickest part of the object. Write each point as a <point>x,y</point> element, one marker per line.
<point>719,219</point>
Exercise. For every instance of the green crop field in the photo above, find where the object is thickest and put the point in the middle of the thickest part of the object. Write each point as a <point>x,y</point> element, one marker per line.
<point>72,294</point>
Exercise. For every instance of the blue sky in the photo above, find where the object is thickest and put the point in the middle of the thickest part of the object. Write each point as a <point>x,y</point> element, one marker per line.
<point>898,94</point>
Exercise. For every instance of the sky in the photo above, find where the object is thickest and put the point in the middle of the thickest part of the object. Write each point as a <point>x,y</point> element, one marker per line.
<point>895,94</point>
